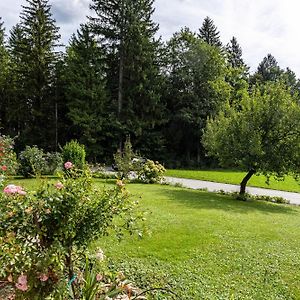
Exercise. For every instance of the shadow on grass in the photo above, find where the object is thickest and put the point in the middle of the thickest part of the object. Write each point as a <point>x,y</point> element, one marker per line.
<point>208,200</point>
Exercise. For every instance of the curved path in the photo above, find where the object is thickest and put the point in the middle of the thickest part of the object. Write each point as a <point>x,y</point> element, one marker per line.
<point>294,198</point>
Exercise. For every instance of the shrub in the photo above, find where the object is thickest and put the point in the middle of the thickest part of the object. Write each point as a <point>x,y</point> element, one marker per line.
<point>151,172</point>
<point>8,159</point>
<point>44,234</point>
<point>54,162</point>
<point>32,162</point>
<point>75,153</point>
<point>124,161</point>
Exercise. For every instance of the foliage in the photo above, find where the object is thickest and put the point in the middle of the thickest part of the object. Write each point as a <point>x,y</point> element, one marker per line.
<point>209,33</point>
<point>54,162</point>
<point>32,46</point>
<point>262,136</point>
<point>124,160</point>
<point>32,162</point>
<point>75,153</point>
<point>45,233</point>
<point>151,172</point>
<point>8,159</point>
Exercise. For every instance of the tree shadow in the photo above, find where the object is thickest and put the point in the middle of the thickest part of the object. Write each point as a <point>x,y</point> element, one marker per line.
<point>208,200</point>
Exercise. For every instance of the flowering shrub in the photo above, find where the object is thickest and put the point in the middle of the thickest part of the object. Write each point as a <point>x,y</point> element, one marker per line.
<point>151,172</point>
<point>44,234</point>
<point>32,162</point>
<point>75,153</point>
<point>8,160</point>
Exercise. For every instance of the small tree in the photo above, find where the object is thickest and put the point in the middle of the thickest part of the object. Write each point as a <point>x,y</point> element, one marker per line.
<point>261,135</point>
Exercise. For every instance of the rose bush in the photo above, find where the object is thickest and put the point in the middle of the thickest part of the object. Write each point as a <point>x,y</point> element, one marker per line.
<point>44,234</point>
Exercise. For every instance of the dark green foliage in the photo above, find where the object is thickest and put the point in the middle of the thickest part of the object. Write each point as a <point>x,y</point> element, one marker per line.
<point>87,103</point>
<point>74,153</point>
<point>32,47</point>
<point>235,54</point>
<point>195,90</point>
<point>209,33</point>
<point>134,81</point>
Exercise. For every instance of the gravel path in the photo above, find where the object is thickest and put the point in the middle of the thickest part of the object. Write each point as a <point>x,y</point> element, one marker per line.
<point>294,198</point>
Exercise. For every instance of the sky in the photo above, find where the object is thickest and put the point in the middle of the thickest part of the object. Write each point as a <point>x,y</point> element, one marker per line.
<point>260,26</point>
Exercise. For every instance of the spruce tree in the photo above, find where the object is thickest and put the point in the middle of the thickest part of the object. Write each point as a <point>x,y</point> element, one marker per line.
<point>235,54</point>
<point>128,32</point>
<point>209,33</point>
<point>32,45</point>
<point>86,98</point>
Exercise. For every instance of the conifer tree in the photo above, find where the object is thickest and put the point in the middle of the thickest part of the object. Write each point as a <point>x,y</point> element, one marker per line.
<point>209,33</point>
<point>85,91</point>
<point>128,32</point>
<point>32,46</point>
<point>234,54</point>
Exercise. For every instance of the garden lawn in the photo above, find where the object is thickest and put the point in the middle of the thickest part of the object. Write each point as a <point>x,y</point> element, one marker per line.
<point>235,177</point>
<point>209,246</point>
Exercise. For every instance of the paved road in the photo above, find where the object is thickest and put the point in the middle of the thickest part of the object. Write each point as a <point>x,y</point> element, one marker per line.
<point>294,198</point>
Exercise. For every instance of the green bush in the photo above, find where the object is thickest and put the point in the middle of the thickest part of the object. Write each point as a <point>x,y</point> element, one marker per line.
<point>32,162</point>
<point>75,153</point>
<point>44,234</point>
<point>54,162</point>
<point>8,158</point>
<point>151,172</point>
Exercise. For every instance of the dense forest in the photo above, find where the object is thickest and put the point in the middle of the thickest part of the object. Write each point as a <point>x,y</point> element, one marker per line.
<point>117,79</point>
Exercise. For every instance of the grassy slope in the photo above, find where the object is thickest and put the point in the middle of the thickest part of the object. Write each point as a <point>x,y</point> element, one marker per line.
<point>235,177</point>
<point>213,247</point>
<point>209,246</point>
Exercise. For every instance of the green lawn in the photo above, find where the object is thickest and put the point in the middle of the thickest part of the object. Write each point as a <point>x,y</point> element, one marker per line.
<point>235,177</point>
<point>209,246</point>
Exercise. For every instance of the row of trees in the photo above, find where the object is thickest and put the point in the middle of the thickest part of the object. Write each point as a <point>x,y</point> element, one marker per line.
<point>117,79</point>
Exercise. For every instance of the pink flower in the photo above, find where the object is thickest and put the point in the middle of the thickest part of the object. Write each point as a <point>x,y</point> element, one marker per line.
<point>4,168</point>
<point>14,189</point>
<point>22,283</point>
<point>59,185</point>
<point>99,277</point>
<point>43,277</point>
<point>68,165</point>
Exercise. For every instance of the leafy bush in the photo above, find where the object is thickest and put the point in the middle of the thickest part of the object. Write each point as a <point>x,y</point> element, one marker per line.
<point>151,172</point>
<point>8,159</point>
<point>44,234</point>
<point>54,162</point>
<point>32,162</point>
<point>74,153</point>
<point>124,160</point>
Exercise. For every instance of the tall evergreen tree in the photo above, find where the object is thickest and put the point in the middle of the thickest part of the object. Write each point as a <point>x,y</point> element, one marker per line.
<point>209,33</point>
<point>3,76</point>
<point>128,32</point>
<point>32,46</point>
<point>235,54</point>
<point>86,97</point>
<point>268,70</point>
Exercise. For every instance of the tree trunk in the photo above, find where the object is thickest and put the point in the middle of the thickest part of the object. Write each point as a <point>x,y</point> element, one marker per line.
<point>245,180</point>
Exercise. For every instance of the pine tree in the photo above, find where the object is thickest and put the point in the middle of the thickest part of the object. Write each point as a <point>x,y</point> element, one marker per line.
<point>3,76</point>
<point>85,92</point>
<point>32,45</point>
<point>209,33</point>
<point>234,54</point>
<point>134,78</point>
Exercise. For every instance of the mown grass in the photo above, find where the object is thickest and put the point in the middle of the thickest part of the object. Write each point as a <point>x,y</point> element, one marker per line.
<point>209,246</point>
<point>235,177</point>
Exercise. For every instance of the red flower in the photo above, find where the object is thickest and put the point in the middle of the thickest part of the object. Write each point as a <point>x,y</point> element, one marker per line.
<point>4,168</point>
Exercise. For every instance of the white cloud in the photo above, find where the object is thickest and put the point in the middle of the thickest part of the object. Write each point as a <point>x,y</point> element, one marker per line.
<point>261,26</point>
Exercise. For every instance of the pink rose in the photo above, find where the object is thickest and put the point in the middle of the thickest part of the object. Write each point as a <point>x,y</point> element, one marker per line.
<point>59,185</point>
<point>22,283</point>
<point>68,165</point>
<point>4,168</point>
<point>43,277</point>
<point>14,189</point>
